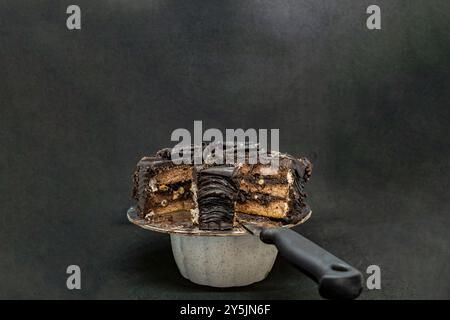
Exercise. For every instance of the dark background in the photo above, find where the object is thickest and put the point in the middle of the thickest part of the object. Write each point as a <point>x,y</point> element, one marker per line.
<point>79,109</point>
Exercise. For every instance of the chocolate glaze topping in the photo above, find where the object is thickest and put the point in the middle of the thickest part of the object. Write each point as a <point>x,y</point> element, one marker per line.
<point>215,196</point>
<point>297,208</point>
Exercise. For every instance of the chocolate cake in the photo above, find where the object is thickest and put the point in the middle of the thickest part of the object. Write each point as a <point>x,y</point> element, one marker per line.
<point>214,194</point>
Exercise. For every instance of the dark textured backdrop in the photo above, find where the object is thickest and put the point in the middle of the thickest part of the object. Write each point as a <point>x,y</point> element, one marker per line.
<point>79,108</point>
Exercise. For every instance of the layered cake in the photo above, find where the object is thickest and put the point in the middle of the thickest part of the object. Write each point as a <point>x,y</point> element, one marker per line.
<point>214,194</point>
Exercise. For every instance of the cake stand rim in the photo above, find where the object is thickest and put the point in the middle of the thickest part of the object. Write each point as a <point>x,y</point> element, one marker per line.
<point>135,219</point>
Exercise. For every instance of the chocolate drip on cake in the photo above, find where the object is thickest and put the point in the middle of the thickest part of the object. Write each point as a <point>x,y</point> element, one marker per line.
<point>216,193</point>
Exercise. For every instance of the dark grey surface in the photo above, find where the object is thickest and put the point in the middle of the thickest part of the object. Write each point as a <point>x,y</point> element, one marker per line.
<point>369,108</point>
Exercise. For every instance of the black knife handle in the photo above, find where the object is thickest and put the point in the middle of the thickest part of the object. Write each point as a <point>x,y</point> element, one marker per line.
<point>336,279</point>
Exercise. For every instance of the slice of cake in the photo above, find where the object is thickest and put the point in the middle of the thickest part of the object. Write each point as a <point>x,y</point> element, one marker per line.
<point>214,193</point>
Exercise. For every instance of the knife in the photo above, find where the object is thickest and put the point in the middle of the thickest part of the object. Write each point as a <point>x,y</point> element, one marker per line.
<point>336,279</point>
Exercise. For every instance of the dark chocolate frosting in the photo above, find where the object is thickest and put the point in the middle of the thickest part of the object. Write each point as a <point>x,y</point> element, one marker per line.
<point>215,196</point>
<point>226,149</point>
<point>145,169</point>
